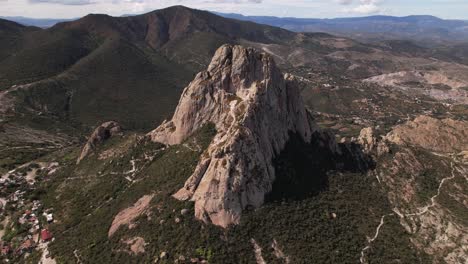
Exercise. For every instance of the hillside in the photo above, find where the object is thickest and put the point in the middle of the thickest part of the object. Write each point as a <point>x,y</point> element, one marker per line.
<point>124,62</point>
<point>301,188</point>
<point>59,83</point>
<point>285,147</point>
<point>142,58</point>
<point>11,37</point>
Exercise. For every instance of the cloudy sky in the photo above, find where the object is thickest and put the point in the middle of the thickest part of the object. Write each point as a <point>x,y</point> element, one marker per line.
<point>454,9</point>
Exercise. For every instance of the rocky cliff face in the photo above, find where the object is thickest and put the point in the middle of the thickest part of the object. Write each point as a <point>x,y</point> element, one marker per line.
<point>254,108</point>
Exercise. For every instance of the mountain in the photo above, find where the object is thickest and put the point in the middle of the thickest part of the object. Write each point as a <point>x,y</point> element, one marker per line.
<point>11,34</point>
<point>139,64</point>
<point>426,30</point>
<point>36,22</point>
<point>288,146</point>
<point>244,153</point>
<point>263,110</point>
<point>61,82</point>
<point>99,66</point>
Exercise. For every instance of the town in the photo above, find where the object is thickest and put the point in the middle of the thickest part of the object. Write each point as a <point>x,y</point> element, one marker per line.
<point>25,222</point>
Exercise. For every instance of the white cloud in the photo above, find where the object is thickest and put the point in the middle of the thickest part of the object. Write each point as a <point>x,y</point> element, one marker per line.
<point>63,2</point>
<point>365,7</point>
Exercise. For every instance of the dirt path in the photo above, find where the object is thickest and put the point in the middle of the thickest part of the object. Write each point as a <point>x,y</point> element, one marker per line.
<point>77,256</point>
<point>425,209</point>
<point>258,252</point>
<point>420,211</point>
<point>369,241</point>
<point>45,258</point>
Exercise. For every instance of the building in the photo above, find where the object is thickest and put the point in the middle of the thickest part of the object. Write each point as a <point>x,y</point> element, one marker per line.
<point>46,235</point>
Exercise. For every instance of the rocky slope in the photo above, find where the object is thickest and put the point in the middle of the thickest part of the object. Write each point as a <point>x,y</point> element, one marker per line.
<point>424,175</point>
<point>255,109</point>
<point>445,136</point>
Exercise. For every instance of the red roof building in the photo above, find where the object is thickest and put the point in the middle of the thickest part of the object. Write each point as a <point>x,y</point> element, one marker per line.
<point>46,235</point>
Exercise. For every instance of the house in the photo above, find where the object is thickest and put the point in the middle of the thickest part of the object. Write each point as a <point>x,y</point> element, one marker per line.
<point>6,250</point>
<point>46,235</point>
<point>32,219</point>
<point>26,246</point>
<point>49,217</point>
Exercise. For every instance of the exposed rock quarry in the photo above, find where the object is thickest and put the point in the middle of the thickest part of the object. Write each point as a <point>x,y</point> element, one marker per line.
<point>445,135</point>
<point>254,108</point>
<point>440,85</point>
<point>100,134</point>
<point>398,78</point>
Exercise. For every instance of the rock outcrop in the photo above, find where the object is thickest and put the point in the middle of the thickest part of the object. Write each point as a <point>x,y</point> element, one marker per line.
<point>370,143</point>
<point>99,135</point>
<point>128,215</point>
<point>255,108</point>
<point>446,135</point>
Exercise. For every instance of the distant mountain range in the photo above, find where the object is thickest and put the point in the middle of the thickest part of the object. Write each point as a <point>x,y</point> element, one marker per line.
<point>37,22</point>
<point>99,66</point>
<point>422,28</point>
<point>426,30</point>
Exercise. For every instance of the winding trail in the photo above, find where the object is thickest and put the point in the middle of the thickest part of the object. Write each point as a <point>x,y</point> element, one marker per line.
<point>421,211</point>
<point>425,209</point>
<point>77,256</point>
<point>369,241</point>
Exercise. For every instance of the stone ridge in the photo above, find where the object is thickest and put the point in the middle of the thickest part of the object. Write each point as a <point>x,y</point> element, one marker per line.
<point>254,108</point>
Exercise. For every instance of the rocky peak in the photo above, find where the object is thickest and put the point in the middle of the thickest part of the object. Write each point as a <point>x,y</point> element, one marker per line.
<point>254,108</point>
<point>99,135</point>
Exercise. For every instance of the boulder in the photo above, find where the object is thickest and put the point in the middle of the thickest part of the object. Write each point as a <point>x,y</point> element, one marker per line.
<point>99,135</point>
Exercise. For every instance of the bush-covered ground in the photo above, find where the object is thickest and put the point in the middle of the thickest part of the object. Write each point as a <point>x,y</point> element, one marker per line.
<point>326,225</point>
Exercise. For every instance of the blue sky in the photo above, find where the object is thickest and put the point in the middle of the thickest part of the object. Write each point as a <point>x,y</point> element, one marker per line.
<point>452,9</point>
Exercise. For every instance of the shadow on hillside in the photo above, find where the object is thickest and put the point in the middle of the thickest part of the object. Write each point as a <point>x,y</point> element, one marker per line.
<point>302,169</point>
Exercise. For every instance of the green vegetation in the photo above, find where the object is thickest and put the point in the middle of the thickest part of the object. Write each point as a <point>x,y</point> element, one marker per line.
<point>328,225</point>
<point>11,157</point>
<point>49,54</point>
<point>448,199</point>
<point>427,182</point>
<point>394,246</point>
